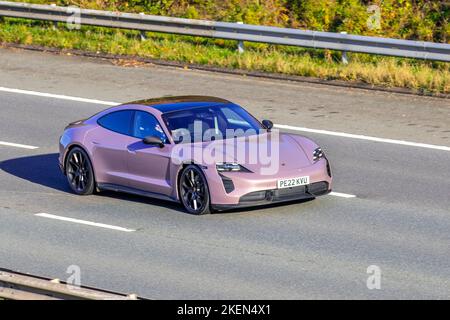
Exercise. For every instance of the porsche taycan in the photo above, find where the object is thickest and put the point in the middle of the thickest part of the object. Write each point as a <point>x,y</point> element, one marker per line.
<point>207,153</point>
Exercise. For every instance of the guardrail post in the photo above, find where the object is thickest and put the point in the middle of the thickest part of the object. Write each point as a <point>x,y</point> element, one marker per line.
<point>241,47</point>
<point>142,34</point>
<point>55,24</point>
<point>344,53</point>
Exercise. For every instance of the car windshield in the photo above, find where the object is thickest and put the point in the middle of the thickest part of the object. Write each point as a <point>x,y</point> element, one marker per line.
<point>211,123</point>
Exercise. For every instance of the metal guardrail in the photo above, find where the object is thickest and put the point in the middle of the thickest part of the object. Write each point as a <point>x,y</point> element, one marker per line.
<point>19,286</point>
<point>232,31</point>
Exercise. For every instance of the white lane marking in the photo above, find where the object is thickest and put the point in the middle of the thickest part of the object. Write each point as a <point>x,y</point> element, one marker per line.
<point>17,145</point>
<point>362,137</point>
<point>89,223</point>
<point>280,126</point>
<point>342,195</point>
<point>57,96</point>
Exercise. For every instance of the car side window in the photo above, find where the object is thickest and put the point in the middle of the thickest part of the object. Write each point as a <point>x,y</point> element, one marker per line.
<point>118,121</point>
<point>145,124</point>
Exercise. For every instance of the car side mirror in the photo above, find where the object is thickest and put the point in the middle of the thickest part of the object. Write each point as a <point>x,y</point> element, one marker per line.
<point>268,124</point>
<point>153,141</point>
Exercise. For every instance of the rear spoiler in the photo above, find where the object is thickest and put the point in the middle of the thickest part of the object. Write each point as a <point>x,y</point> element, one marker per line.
<point>75,123</point>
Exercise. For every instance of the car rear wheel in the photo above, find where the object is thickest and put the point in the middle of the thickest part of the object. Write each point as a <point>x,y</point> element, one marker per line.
<point>79,172</point>
<point>194,191</point>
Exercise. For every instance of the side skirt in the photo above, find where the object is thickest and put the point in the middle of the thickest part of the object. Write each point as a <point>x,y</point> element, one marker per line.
<point>119,188</point>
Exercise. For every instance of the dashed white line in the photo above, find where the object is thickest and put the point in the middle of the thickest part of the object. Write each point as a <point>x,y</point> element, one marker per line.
<point>342,195</point>
<point>362,137</point>
<point>57,96</point>
<point>17,145</point>
<point>85,222</point>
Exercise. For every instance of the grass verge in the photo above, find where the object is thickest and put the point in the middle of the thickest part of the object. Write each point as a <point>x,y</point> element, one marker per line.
<point>422,76</point>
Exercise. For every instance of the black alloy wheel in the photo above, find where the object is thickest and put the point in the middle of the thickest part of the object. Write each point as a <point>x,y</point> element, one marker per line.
<point>79,172</point>
<point>194,191</point>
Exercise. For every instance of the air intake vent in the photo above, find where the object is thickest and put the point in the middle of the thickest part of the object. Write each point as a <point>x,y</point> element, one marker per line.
<point>228,184</point>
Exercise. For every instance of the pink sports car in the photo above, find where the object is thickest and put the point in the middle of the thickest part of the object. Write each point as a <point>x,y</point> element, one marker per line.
<point>207,153</point>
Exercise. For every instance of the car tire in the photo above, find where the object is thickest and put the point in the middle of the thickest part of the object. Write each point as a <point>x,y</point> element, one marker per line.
<point>79,172</point>
<point>193,190</point>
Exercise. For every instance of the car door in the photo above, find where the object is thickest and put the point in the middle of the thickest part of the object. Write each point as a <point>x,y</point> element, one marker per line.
<point>149,166</point>
<point>109,147</point>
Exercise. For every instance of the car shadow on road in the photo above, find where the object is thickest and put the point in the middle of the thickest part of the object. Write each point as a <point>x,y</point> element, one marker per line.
<point>141,199</point>
<point>41,169</point>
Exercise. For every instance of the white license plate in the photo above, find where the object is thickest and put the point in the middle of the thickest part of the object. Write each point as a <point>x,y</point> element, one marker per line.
<point>294,182</point>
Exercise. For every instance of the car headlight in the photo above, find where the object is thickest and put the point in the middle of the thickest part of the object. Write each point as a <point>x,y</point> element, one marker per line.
<point>318,154</point>
<point>228,167</point>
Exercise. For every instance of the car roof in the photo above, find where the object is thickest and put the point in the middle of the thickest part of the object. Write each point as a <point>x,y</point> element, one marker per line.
<point>177,103</point>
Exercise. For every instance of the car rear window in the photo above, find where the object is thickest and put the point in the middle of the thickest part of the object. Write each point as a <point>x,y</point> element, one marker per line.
<point>118,121</point>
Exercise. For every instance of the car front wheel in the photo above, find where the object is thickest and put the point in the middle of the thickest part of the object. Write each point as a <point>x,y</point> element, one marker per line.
<point>194,191</point>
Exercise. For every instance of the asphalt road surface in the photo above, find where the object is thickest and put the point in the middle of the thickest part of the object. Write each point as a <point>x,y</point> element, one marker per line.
<point>398,219</point>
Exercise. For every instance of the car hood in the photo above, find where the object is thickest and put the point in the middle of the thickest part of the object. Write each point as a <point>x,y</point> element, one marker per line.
<point>284,151</point>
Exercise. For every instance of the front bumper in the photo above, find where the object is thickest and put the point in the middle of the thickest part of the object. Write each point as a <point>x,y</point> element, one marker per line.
<point>266,197</point>
<point>240,189</point>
